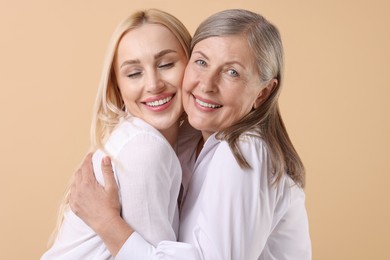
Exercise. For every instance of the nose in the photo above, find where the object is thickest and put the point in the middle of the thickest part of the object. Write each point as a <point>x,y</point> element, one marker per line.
<point>208,82</point>
<point>154,82</point>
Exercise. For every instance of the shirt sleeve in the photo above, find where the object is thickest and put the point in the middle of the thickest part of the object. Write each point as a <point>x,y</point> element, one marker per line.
<point>137,248</point>
<point>235,213</point>
<point>148,174</point>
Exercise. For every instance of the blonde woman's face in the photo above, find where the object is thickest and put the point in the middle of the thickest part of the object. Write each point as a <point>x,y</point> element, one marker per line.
<point>221,84</point>
<point>149,68</point>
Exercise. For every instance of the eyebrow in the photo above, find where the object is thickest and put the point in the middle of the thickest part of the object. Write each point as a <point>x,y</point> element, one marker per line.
<point>163,52</point>
<point>228,63</point>
<point>156,56</point>
<point>129,62</point>
<point>201,53</point>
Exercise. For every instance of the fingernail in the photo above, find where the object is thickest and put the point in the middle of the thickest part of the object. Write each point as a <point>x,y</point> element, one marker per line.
<point>106,161</point>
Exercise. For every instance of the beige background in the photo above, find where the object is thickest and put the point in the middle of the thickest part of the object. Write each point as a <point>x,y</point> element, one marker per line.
<point>335,105</point>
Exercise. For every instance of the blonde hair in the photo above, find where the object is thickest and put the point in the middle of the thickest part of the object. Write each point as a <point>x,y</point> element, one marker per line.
<point>109,106</point>
<point>265,42</point>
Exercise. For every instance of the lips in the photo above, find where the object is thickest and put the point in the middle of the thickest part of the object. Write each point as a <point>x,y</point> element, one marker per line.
<point>158,103</point>
<point>207,104</point>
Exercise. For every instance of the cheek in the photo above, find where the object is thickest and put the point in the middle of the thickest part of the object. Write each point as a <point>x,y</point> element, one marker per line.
<point>127,98</point>
<point>179,80</point>
<point>242,105</point>
<point>175,78</point>
<point>189,80</point>
<point>246,105</point>
<point>127,91</point>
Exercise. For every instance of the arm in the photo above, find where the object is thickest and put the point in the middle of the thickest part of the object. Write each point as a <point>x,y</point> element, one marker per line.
<point>234,217</point>
<point>99,205</point>
<point>228,219</point>
<point>149,176</point>
<point>233,211</point>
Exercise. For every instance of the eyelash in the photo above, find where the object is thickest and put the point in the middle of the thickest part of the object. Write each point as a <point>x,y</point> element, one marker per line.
<point>233,73</point>
<point>133,75</point>
<point>200,62</point>
<point>163,66</point>
<point>166,65</point>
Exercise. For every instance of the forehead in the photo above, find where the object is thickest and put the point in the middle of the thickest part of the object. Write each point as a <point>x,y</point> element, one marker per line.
<point>227,49</point>
<point>147,39</point>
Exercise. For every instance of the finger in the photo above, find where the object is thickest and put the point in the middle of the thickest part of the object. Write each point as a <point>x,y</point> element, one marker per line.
<point>108,174</point>
<point>87,169</point>
<point>73,190</point>
<point>78,178</point>
<point>71,195</point>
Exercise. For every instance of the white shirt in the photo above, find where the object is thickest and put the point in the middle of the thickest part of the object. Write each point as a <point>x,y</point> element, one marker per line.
<point>148,174</point>
<point>233,213</point>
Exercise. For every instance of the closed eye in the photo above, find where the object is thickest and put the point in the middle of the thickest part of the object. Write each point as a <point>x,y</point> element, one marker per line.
<point>166,65</point>
<point>133,75</point>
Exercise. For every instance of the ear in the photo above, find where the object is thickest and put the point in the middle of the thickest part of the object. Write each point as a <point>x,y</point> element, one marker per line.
<point>265,93</point>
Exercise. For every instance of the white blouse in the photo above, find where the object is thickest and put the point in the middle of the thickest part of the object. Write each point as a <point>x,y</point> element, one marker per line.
<point>232,213</point>
<point>148,174</point>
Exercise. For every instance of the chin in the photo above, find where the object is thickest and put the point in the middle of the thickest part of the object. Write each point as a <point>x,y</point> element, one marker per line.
<point>196,123</point>
<point>164,125</point>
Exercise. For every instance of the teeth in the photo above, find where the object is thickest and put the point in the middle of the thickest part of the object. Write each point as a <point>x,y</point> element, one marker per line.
<point>204,104</point>
<point>159,102</point>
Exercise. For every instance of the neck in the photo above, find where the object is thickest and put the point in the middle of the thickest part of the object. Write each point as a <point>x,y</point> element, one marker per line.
<point>206,135</point>
<point>202,141</point>
<point>171,133</point>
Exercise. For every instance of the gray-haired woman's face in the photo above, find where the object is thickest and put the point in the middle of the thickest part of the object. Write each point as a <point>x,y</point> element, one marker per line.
<point>221,83</point>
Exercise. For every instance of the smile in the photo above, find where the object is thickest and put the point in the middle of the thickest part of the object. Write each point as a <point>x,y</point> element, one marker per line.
<point>159,102</point>
<point>207,105</point>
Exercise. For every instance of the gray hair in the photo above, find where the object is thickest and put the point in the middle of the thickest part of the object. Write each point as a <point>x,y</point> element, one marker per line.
<point>265,121</point>
<point>262,36</point>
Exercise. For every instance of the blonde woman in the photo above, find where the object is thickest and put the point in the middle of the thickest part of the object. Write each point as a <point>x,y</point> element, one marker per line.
<point>245,198</point>
<point>136,120</point>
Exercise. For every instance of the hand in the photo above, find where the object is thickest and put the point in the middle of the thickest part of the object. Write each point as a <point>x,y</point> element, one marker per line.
<point>95,204</point>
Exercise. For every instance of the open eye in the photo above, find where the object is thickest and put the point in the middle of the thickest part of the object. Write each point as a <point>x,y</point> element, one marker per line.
<point>233,73</point>
<point>201,62</point>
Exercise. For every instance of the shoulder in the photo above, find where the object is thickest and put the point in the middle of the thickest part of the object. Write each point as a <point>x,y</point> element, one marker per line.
<point>225,168</point>
<point>138,134</point>
<point>254,151</point>
<point>136,147</point>
<point>253,148</point>
<point>130,127</point>
<point>285,193</point>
